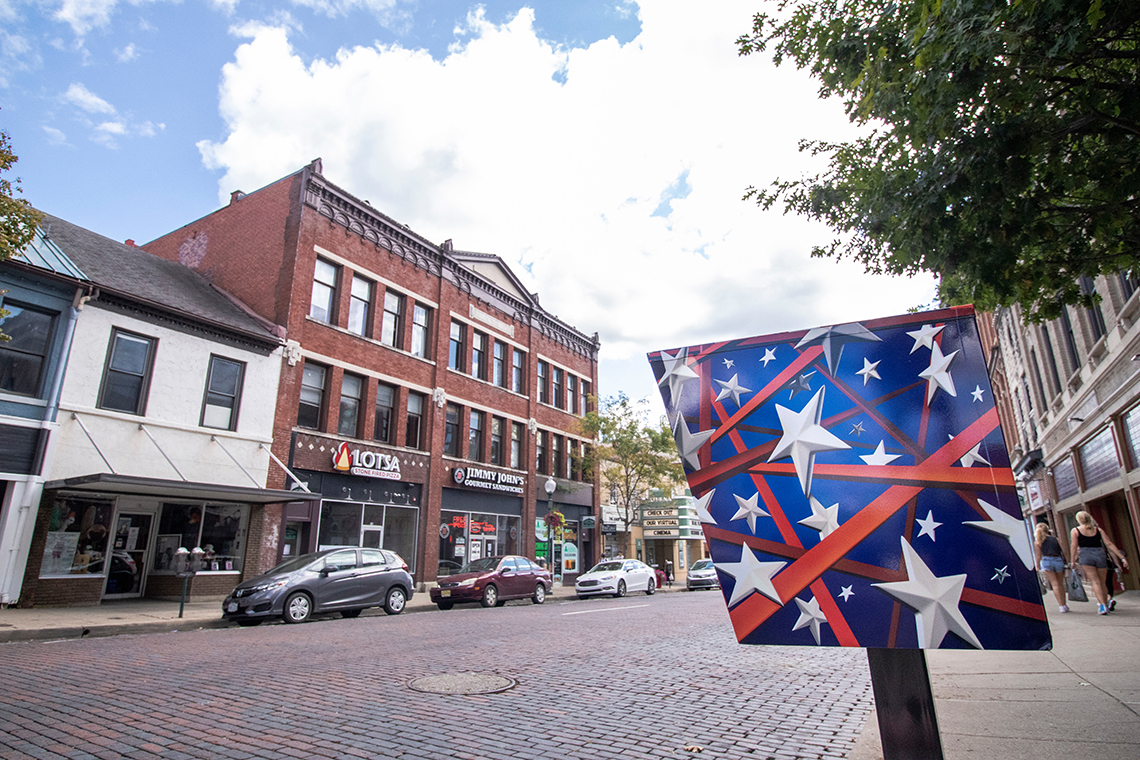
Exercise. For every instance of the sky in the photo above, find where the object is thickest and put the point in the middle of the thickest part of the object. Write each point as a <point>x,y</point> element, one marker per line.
<point>601,149</point>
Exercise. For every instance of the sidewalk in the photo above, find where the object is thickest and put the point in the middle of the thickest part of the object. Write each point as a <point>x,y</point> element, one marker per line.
<point>1080,700</point>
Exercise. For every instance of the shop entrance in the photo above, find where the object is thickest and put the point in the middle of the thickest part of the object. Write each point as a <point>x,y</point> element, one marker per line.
<point>372,537</point>
<point>130,553</point>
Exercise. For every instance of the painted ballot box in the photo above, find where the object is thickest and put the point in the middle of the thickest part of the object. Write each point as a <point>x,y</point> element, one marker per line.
<point>854,486</point>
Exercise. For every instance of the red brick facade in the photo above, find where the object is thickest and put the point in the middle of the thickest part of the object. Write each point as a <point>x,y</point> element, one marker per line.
<point>263,248</point>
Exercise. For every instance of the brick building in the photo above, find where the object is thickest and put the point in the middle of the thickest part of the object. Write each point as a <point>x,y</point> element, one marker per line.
<point>425,394</point>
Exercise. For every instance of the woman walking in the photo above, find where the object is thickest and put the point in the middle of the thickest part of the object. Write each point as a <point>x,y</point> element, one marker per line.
<point>1051,561</point>
<point>1091,547</point>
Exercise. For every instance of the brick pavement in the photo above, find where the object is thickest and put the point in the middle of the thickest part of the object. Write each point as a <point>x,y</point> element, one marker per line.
<point>633,678</point>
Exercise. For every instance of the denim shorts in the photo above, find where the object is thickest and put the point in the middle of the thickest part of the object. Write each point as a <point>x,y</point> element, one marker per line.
<point>1093,556</point>
<point>1053,564</point>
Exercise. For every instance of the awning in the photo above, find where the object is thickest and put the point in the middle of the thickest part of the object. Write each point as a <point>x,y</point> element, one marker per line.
<point>178,489</point>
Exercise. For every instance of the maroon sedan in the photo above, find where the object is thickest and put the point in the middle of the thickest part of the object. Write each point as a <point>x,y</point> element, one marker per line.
<point>492,581</point>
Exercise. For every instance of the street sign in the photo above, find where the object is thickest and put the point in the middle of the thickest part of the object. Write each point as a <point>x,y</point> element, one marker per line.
<point>854,486</point>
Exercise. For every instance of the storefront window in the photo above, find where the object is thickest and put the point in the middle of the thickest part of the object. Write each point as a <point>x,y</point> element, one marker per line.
<point>219,529</point>
<point>465,537</point>
<point>77,538</point>
<point>374,526</point>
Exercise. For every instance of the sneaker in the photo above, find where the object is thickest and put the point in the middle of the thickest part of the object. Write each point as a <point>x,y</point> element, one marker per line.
<point>1064,608</point>
<point>1111,605</point>
<point>1101,609</point>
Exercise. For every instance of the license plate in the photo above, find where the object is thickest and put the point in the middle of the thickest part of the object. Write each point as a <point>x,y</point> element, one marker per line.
<point>445,592</point>
<point>231,607</point>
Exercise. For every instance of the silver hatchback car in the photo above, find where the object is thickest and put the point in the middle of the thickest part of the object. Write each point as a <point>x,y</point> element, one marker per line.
<point>345,580</point>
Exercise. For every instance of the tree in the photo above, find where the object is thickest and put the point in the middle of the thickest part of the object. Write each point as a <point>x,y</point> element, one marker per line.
<point>18,220</point>
<point>632,455</point>
<point>1002,142</point>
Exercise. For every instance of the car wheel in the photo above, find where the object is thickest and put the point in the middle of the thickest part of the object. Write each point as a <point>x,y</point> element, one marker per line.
<point>396,601</point>
<point>620,590</point>
<point>651,589</point>
<point>298,608</point>
<point>248,622</point>
<point>490,597</point>
<point>445,605</point>
<point>539,594</point>
<point>350,613</point>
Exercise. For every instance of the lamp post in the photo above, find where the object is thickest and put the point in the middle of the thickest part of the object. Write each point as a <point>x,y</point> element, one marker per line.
<point>550,485</point>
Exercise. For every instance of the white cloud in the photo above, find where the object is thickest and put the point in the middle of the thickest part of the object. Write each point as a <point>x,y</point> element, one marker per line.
<point>559,159</point>
<point>85,15</point>
<point>80,96</point>
<point>17,54</point>
<point>55,136</point>
<point>128,53</point>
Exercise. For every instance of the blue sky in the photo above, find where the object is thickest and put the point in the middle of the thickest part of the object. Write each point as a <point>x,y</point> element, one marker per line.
<point>600,148</point>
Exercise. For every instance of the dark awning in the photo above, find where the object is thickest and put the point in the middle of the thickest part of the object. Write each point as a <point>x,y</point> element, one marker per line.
<point>180,489</point>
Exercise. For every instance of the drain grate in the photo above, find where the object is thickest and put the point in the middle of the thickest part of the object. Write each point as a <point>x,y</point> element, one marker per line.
<point>462,683</point>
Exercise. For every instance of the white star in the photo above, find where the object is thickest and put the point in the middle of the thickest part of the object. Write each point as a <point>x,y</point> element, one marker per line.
<point>934,601</point>
<point>702,509</point>
<point>869,370</point>
<point>928,526</point>
<point>751,575</point>
<point>977,393</point>
<point>748,509</point>
<point>677,372</point>
<point>937,375</point>
<point>731,388</point>
<point>834,338</point>
<point>846,593</point>
<point>1000,574</point>
<point>688,444</point>
<point>924,336</point>
<point>799,383</point>
<point>857,429</point>
<point>803,438</point>
<point>973,455</point>
<point>728,363</point>
<point>880,457</point>
<point>824,519</point>
<point>769,356</point>
<point>1009,527</point>
<point>810,615</point>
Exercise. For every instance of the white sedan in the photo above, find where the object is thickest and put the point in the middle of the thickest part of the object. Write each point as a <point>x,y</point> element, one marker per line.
<point>616,577</point>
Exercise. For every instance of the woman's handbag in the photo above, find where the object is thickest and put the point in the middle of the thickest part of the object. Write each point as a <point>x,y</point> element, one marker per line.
<point>1074,587</point>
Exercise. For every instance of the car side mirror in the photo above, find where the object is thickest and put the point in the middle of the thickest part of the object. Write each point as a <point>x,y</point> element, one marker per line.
<point>324,571</point>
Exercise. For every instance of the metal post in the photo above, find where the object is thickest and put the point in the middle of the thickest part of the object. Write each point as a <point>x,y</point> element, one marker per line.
<point>904,703</point>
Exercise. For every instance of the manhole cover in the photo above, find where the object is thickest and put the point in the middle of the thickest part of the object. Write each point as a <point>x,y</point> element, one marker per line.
<point>462,683</point>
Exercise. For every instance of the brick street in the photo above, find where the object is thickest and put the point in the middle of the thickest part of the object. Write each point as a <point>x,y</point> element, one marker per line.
<point>640,677</point>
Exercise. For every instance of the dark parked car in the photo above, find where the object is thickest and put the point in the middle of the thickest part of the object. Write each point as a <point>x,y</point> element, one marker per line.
<point>342,580</point>
<point>492,581</point>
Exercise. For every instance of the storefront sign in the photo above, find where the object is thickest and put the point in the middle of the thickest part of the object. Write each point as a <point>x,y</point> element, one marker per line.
<point>370,464</point>
<point>661,533</point>
<point>609,528</point>
<point>490,480</point>
<point>671,522</point>
<point>656,512</point>
<point>1035,500</point>
<point>588,523</point>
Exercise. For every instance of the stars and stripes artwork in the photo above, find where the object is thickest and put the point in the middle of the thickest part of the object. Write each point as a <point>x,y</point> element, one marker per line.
<point>854,485</point>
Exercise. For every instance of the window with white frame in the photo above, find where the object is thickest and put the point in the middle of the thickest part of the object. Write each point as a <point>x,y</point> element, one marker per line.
<point>223,393</point>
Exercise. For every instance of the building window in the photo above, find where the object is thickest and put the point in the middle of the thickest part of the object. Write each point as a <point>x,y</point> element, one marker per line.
<point>391,332</point>
<point>77,529</point>
<point>1070,340</point>
<point>414,437</point>
<point>312,396</point>
<point>497,424</point>
<point>557,456</point>
<point>1098,459</point>
<point>499,374</point>
<point>385,406</point>
<point>1129,283</point>
<point>572,393</point>
<point>322,306</point>
<point>1050,358</point>
<point>359,305</point>
<point>126,379</point>
<point>223,393</point>
<point>584,400</point>
<point>219,529</point>
<point>351,392</point>
<point>455,348</point>
<point>516,444</point>
<point>540,452</point>
<point>475,437</point>
<point>451,431</point>
<point>543,391</point>
<point>479,356</point>
<point>23,358</point>
<point>559,388</point>
<point>420,326</point>
<point>1065,479</point>
<point>517,359</point>
<point>1096,317</point>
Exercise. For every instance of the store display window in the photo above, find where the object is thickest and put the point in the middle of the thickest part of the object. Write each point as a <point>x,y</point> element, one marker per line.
<point>465,537</point>
<point>373,526</point>
<point>219,529</point>
<point>77,540</point>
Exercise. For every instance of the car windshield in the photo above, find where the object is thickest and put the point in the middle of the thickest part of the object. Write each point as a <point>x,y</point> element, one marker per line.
<point>702,564</point>
<point>293,565</point>
<point>606,567</point>
<point>481,565</point>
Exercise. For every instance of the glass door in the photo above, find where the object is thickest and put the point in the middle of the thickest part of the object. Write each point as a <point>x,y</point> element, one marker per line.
<point>130,554</point>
